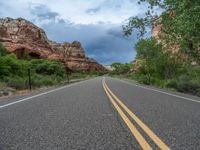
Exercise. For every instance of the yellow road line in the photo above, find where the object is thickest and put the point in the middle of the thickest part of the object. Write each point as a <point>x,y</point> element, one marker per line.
<point>146,129</point>
<point>143,143</point>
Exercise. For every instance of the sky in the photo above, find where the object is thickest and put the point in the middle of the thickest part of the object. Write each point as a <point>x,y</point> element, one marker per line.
<point>97,24</point>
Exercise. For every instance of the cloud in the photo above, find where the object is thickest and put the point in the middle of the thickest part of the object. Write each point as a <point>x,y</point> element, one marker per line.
<point>93,10</point>
<point>98,40</point>
<point>117,32</point>
<point>78,11</point>
<point>95,23</point>
<point>111,50</point>
<point>43,12</point>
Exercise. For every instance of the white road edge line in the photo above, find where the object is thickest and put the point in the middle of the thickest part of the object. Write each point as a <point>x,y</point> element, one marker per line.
<point>28,98</point>
<point>186,98</point>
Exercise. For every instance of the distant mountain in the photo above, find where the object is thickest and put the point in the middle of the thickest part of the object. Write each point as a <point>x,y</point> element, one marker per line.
<point>23,38</point>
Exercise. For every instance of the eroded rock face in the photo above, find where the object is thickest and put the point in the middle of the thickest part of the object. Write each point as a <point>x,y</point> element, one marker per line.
<point>73,49</point>
<point>158,35</point>
<point>24,38</point>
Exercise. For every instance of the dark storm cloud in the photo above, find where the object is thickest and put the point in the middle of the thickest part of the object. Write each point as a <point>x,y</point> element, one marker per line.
<point>109,48</point>
<point>97,25</point>
<point>99,41</point>
<point>43,12</point>
<point>117,32</point>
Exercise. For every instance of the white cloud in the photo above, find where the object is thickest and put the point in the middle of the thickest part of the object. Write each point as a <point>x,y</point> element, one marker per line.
<point>95,23</point>
<point>76,11</point>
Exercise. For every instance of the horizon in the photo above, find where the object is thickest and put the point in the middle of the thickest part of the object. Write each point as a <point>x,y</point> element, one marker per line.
<point>66,23</point>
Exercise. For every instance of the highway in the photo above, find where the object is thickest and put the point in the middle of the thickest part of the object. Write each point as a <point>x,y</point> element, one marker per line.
<point>101,114</point>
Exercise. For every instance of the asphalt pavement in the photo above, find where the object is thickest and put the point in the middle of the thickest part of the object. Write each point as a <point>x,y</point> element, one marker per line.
<point>101,114</point>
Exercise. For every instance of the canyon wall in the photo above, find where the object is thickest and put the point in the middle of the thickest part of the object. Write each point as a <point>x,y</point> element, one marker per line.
<point>23,38</point>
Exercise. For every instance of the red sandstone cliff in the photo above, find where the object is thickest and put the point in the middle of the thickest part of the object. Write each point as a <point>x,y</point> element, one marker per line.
<point>24,38</point>
<point>157,34</point>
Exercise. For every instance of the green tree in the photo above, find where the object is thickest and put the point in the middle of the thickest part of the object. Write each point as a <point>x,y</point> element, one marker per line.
<point>2,50</point>
<point>10,66</point>
<point>157,62</point>
<point>48,67</point>
<point>119,68</point>
<point>180,23</point>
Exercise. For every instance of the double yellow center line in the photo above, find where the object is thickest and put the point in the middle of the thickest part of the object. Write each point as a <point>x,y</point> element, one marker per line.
<point>141,140</point>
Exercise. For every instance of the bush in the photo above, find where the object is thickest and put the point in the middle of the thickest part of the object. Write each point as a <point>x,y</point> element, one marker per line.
<point>2,50</point>
<point>17,83</point>
<point>11,66</point>
<point>14,72</point>
<point>146,79</point>
<point>198,92</point>
<point>47,67</point>
<point>44,80</point>
<point>186,85</point>
<point>48,82</point>
<point>80,74</point>
<point>171,84</point>
<point>158,82</point>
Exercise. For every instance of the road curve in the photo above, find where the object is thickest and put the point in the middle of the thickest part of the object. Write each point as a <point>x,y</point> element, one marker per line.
<point>101,113</point>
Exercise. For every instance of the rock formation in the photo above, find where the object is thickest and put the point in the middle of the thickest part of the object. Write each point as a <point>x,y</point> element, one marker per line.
<point>157,34</point>
<point>174,48</point>
<point>23,38</point>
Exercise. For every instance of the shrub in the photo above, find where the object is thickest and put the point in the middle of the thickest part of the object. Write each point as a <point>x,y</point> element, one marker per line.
<point>158,82</point>
<point>48,82</point>
<point>171,84</point>
<point>17,83</point>
<point>198,92</point>
<point>2,50</point>
<point>11,66</point>
<point>14,72</point>
<point>145,79</point>
<point>44,80</point>
<point>47,67</point>
<point>186,85</point>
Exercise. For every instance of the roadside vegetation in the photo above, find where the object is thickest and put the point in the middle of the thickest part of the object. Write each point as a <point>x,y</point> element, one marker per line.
<point>160,68</point>
<point>155,63</point>
<point>14,72</point>
<point>76,74</point>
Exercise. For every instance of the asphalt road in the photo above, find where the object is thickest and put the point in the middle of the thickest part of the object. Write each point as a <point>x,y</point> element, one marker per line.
<point>102,114</point>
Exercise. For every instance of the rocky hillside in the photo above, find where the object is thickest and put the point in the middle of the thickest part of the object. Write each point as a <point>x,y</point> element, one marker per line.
<point>26,39</point>
<point>158,35</point>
